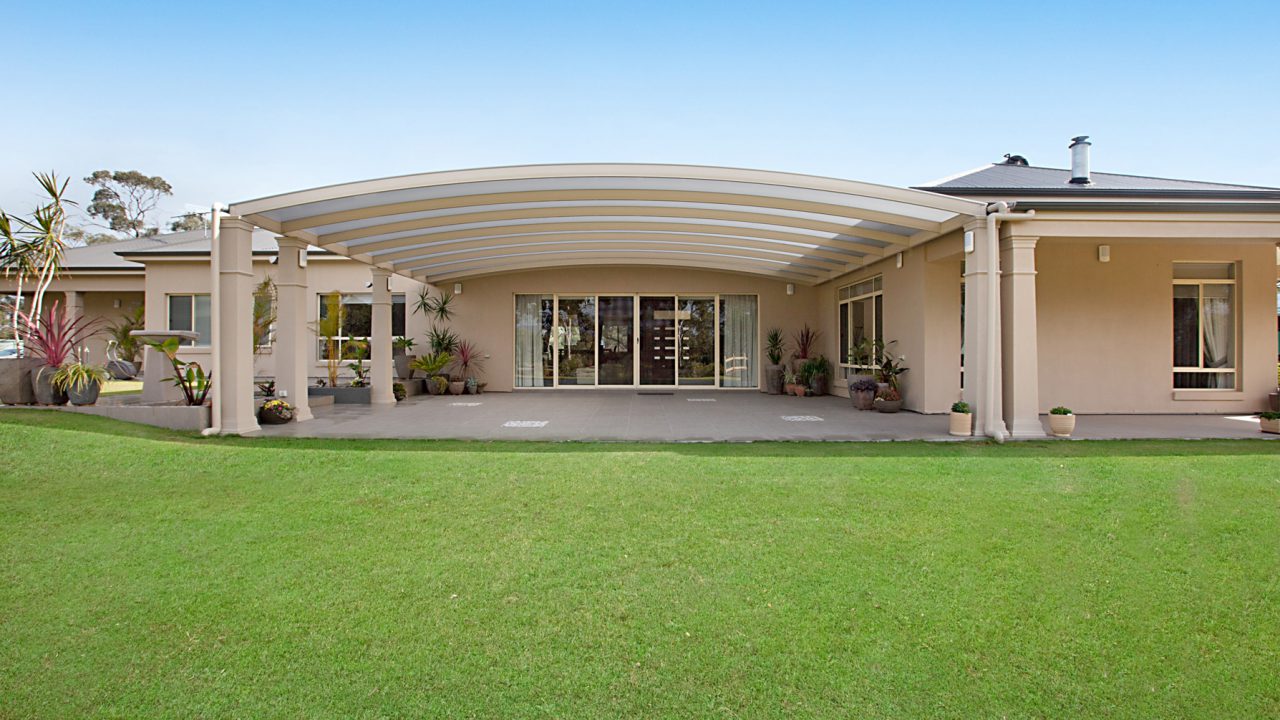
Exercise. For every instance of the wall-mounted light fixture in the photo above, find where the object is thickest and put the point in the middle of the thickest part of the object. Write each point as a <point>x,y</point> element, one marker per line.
<point>968,241</point>
<point>898,261</point>
<point>457,288</point>
<point>791,288</point>
<point>302,258</point>
<point>1104,253</point>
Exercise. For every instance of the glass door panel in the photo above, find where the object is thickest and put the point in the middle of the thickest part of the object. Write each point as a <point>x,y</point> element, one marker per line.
<point>657,341</point>
<point>617,335</point>
<point>697,333</point>
<point>576,342</point>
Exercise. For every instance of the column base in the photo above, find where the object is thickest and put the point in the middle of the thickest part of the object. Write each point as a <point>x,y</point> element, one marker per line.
<point>1027,428</point>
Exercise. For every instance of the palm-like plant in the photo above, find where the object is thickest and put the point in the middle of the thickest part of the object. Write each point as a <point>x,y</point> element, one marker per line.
<point>432,364</point>
<point>127,347</point>
<point>189,377</point>
<point>439,308</point>
<point>33,247</point>
<point>442,340</point>
<point>775,346</point>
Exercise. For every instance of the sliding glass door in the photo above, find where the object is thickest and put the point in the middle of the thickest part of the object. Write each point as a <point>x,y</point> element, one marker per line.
<point>636,340</point>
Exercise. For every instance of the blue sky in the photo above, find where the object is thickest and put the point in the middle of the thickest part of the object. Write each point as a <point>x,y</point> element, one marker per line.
<point>234,101</point>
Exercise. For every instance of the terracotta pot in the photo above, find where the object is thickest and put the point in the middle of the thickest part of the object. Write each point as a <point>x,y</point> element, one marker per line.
<point>42,384</point>
<point>84,395</point>
<point>1062,425</point>
<point>961,424</point>
<point>456,387</point>
<point>1270,426</point>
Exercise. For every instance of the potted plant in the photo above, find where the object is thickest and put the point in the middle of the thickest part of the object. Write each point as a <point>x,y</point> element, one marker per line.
<point>80,381</point>
<point>888,400</point>
<point>889,367</point>
<point>790,382</point>
<point>124,349</point>
<point>400,348</point>
<point>961,419</point>
<point>52,339</point>
<point>1062,422</point>
<point>468,360</point>
<point>1269,422</point>
<point>432,365</point>
<point>862,390</point>
<point>457,385</point>
<point>805,339</point>
<point>188,377</point>
<point>775,347</point>
<point>438,384</point>
<point>275,412</point>
<point>398,391</point>
<point>819,375</point>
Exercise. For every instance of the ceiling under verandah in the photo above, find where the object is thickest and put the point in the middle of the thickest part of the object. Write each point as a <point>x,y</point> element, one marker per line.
<point>445,226</point>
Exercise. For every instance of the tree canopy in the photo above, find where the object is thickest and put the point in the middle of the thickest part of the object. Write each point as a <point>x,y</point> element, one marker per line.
<point>125,198</point>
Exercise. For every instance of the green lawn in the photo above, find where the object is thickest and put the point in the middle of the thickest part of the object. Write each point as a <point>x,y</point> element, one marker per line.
<point>121,387</point>
<point>153,574</point>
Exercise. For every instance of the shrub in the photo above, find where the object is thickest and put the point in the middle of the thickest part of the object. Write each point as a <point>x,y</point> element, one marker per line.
<point>864,384</point>
<point>1060,410</point>
<point>961,407</point>
<point>398,391</point>
<point>1269,415</point>
<point>890,393</point>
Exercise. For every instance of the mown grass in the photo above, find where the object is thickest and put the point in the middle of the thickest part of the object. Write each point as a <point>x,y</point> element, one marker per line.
<point>157,574</point>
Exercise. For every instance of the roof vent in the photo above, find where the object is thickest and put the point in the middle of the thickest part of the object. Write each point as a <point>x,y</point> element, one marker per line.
<point>1015,160</point>
<point>1080,160</point>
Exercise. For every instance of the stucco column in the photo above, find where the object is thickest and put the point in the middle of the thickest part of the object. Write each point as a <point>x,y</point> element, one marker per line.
<point>975,322</point>
<point>234,383</point>
<point>293,335</point>
<point>1020,359</point>
<point>75,304</point>
<point>380,364</point>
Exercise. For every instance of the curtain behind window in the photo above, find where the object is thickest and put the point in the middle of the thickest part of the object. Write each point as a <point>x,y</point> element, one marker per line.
<point>738,329</point>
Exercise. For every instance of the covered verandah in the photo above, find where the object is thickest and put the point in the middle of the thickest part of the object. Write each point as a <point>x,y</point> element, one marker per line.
<point>442,228</point>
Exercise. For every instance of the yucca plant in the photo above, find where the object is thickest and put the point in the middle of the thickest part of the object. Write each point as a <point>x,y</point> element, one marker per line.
<point>775,346</point>
<point>442,340</point>
<point>438,307</point>
<point>78,376</point>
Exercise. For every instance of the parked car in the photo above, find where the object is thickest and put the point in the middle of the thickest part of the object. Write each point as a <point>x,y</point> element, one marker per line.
<point>9,348</point>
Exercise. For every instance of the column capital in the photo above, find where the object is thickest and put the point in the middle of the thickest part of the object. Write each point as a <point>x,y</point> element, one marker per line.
<point>286,241</point>
<point>234,222</point>
<point>975,224</point>
<point>378,272</point>
<point>1019,242</point>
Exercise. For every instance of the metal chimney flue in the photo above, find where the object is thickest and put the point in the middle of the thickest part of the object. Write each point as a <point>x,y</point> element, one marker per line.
<point>1080,160</point>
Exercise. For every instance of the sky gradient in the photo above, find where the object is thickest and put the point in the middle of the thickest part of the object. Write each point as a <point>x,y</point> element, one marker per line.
<point>244,100</point>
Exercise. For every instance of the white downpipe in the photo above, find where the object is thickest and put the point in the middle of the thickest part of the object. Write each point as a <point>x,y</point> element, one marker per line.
<point>215,321</point>
<point>993,411</point>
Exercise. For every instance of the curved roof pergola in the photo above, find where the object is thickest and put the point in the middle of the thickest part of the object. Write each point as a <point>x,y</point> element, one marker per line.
<point>445,226</point>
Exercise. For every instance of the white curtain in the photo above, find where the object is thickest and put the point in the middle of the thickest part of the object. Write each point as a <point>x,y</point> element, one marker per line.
<point>1219,333</point>
<point>738,341</point>
<point>529,370</point>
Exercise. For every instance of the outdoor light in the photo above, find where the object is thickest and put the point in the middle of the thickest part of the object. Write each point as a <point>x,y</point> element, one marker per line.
<point>968,241</point>
<point>457,288</point>
<point>791,288</point>
<point>302,258</point>
<point>899,259</point>
<point>1104,253</point>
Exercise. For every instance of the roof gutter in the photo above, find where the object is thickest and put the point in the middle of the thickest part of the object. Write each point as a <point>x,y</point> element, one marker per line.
<point>992,406</point>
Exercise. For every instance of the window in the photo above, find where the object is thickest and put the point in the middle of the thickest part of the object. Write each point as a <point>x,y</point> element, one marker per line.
<point>191,312</point>
<point>357,323</point>
<point>1204,326</point>
<point>861,318</point>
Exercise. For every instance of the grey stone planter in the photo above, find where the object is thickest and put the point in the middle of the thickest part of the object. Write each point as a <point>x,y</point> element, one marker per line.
<point>342,395</point>
<point>42,384</point>
<point>773,379</point>
<point>15,381</point>
<point>84,395</point>
<point>402,361</point>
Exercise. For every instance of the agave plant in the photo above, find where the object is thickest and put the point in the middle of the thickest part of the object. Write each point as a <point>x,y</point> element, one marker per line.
<point>54,337</point>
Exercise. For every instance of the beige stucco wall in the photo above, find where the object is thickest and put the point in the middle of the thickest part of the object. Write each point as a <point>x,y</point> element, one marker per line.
<point>1106,329</point>
<point>921,313</point>
<point>486,308</point>
<point>324,275</point>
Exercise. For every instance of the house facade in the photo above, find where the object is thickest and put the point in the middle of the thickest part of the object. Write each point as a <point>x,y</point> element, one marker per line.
<point>1013,286</point>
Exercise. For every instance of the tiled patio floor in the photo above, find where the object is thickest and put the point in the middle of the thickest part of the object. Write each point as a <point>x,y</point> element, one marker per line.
<point>625,415</point>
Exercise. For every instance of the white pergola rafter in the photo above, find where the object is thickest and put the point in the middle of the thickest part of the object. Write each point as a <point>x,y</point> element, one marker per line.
<point>451,225</point>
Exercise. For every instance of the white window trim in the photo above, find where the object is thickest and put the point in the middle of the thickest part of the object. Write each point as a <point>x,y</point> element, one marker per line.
<point>342,339</point>
<point>1235,335</point>
<point>843,307</point>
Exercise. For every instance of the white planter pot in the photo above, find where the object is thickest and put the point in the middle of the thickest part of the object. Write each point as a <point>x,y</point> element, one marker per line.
<point>961,424</point>
<point>1270,426</point>
<point>1062,425</point>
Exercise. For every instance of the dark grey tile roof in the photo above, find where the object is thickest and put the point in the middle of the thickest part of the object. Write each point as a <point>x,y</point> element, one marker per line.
<point>105,256</point>
<point>1000,178</point>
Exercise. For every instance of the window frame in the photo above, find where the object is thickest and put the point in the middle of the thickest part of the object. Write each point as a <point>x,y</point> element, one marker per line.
<point>343,339</point>
<point>844,313</point>
<point>201,342</point>
<point>1200,284</point>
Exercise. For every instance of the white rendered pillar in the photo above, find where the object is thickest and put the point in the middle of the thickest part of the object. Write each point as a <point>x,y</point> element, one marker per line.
<point>234,382</point>
<point>292,350</point>
<point>975,323</point>
<point>1018,319</point>
<point>381,372</point>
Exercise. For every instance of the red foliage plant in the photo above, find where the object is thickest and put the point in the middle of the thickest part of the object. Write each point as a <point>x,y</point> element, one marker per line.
<point>54,337</point>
